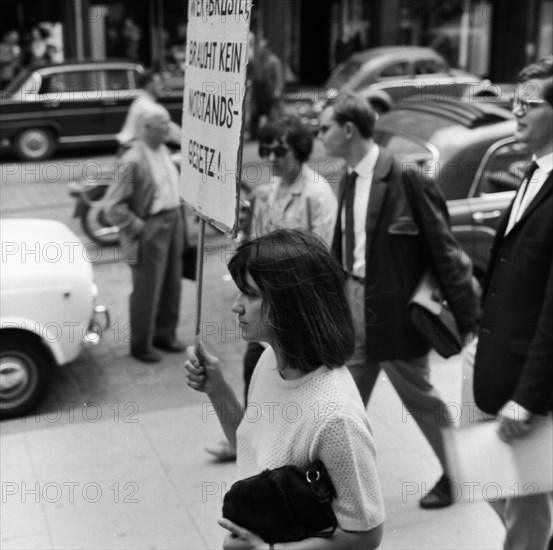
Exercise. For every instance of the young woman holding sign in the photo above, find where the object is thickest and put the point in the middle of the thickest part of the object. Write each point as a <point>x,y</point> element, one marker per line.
<point>292,298</point>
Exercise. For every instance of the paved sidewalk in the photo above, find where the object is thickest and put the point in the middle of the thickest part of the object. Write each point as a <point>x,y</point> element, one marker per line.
<point>114,477</point>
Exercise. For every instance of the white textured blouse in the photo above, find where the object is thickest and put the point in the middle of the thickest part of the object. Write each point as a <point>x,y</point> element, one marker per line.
<point>318,416</point>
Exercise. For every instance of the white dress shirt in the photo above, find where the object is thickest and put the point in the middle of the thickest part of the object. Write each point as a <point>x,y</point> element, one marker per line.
<point>365,172</point>
<point>530,188</point>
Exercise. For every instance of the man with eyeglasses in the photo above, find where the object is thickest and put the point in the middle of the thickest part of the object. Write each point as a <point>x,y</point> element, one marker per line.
<point>513,371</point>
<point>386,240</point>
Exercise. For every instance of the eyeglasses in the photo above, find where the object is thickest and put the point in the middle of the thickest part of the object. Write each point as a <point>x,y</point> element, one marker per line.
<point>266,150</point>
<point>525,105</point>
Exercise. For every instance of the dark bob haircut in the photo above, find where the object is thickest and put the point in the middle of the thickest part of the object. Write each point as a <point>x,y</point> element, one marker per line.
<point>303,290</point>
<point>291,131</point>
<point>354,108</point>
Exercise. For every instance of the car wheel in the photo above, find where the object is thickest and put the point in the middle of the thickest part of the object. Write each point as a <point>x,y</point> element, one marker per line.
<point>96,226</point>
<point>25,369</point>
<point>35,144</point>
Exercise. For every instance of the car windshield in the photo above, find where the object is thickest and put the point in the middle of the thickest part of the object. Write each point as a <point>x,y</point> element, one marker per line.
<point>342,73</point>
<point>16,83</point>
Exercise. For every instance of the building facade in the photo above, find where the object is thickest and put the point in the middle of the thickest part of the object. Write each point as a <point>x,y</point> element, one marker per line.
<point>492,38</point>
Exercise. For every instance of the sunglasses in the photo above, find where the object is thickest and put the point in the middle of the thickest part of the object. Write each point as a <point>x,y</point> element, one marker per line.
<point>266,150</point>
<point>524,105</point>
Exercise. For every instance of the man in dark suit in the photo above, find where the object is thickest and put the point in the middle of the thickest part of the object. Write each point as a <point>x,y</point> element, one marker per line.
<point>392,225</point>
<point>513,371</point>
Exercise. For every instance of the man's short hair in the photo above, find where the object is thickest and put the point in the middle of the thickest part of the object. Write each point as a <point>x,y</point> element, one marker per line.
<point>354,108</point>
<point>541,69</point>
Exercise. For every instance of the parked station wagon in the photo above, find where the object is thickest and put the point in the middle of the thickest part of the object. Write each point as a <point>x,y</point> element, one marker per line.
<point>71,104</point>
<point>49,310</point>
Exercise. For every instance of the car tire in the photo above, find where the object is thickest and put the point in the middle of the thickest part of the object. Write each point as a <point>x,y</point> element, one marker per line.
<point>35,144</point>
<point>96,226</point>
<point>25,371</point>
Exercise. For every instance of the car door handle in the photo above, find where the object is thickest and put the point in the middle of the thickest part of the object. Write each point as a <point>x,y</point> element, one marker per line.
<point>481,216</point>
<point>109,102</point>
<point>51,104</point>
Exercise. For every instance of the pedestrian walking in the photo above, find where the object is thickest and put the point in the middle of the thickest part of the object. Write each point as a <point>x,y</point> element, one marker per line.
<point>10,57</point>
<point>292,297</point>
<point>513,370</point>
<point>145,204</point>
<point>296,196</point>
<point>149,91</point>
<point>385,244</point>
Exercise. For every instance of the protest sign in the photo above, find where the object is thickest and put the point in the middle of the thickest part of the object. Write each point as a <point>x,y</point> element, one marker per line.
<point>214,89</point>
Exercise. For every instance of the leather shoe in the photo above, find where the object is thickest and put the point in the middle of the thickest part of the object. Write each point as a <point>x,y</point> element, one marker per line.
<point>439,496</point>
<point>146,356</point>
<point>173,346</point>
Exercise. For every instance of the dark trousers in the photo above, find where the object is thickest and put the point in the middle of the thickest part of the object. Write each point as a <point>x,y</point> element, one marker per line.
<point>155,299</point>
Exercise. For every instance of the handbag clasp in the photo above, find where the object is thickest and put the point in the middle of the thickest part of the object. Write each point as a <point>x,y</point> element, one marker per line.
<point>309,480</point>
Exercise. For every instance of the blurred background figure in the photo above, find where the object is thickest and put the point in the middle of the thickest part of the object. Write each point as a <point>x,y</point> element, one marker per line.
<point>267,87</point>
<point>150,89</point>
<point>132,35</point>
<point>344,46</point>
<point>37,50</point>
<point>10,57</point>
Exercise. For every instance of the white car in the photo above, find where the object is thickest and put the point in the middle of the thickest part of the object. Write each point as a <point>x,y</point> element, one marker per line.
<point>48,308</point>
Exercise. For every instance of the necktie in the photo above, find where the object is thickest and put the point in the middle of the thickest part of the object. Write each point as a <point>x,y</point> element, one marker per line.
<point>520,202</point>
<point>350,233</point>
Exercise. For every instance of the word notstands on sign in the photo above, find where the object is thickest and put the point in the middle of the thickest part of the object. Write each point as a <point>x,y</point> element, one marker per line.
<point>214,89</point>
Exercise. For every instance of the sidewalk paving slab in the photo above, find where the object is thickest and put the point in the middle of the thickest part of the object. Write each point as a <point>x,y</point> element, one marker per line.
<point>160,462</point>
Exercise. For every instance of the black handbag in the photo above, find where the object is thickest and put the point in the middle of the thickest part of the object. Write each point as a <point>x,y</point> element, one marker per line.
<point>430,314</point>
<point>285,504</point>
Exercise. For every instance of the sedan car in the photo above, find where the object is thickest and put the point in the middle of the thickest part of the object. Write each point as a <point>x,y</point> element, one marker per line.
<point>398,73</point>
<point>395,74</point>
<point>468,149</point>
<point>70,104</point>
<point>49,310</point>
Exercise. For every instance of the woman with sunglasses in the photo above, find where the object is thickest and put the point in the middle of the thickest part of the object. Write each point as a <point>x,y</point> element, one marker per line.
<point>292,297</point>
<point>295,196</point>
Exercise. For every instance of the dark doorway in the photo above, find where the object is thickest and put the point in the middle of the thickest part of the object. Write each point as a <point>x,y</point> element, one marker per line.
<point>314,41</point>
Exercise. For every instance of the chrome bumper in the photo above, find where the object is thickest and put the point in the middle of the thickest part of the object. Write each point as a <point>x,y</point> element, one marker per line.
<point>95,328</point>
